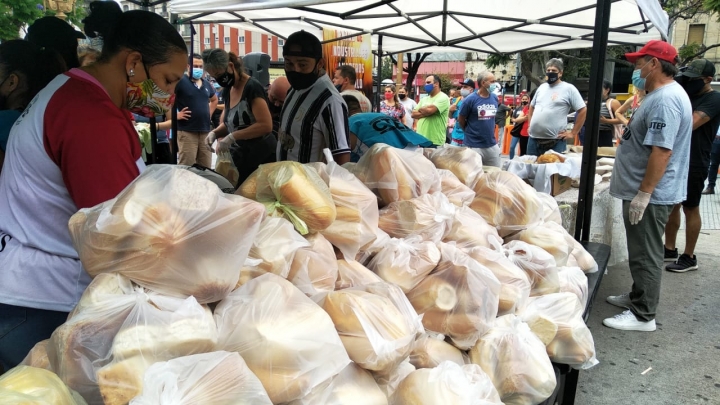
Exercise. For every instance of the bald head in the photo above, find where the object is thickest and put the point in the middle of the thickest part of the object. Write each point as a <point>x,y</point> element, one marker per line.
<point>278,91</point>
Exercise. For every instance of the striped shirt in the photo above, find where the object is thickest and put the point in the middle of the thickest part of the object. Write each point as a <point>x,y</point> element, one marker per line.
<point>313,119</point>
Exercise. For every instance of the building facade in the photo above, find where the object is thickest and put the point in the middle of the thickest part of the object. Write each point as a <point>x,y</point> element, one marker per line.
<point>701,29</point>
<point>238,41</point>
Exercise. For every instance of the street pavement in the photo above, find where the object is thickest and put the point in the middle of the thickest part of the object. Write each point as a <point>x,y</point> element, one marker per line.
<point>684,352</point>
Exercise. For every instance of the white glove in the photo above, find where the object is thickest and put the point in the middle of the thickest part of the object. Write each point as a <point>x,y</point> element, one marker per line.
<point>225,143</point>
<point>637,206</point>
<point>211,137</point>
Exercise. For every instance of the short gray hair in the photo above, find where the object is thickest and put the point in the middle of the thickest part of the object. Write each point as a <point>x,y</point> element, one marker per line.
<point>215,59</point>
<point>555,62</point>
<point>482,76</point>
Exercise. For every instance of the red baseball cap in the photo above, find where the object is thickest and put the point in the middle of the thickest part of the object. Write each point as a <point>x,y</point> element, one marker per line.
<point>655,48</point>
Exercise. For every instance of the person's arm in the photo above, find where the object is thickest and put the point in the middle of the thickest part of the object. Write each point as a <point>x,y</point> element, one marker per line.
<point>463,113</point>
<point>700,118</point>
<point>530,113</point>
<point>167,124</point>
<point>262,125</point>
<point>620,112</point>
<point>462,121</point>
<point>213,103</point>
<point>579,122</point>
<point>657,163</point>
<point>342,158</point>
<point>520,118</point>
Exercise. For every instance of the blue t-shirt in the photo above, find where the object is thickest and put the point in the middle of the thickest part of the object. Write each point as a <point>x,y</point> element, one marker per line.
<point>7,119</point>
<point>197,101</point>
<point>457,132</point>
<point>372,128</point>
<point>480,115</point>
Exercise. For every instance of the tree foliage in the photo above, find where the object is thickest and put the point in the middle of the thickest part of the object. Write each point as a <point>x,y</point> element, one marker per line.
<point>14,14</point>
<point>413,64</point>
<point>387,69</point>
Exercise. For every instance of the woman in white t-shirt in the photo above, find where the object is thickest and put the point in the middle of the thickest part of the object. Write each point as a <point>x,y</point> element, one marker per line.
<point>409,105</point>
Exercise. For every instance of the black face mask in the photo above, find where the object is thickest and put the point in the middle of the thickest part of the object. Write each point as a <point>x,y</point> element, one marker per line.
<point>226,79</point>
<point>402,96</point>
<point>301,81</point>
<point>552,77</point>
<point>275,109</point>
<point>524,103</point>
<point>693,87</point>
<point>338,87</point>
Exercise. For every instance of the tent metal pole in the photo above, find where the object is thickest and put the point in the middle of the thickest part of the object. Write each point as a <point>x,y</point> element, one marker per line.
<point>592,122</point>
<point>420,27</point>
<point>376,99</point>
<point>462,24</point>
<point>444,16</point>
<point>365,8</point>
<point>518,63</point>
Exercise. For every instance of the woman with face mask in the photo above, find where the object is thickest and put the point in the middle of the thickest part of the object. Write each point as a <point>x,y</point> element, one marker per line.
<point>608,116</point>
<point>74,147</point>
<point>391,106</point>
<point>245,128</point>
<point>520,118</point>
<point>24,70</point>
<point>408,103</point>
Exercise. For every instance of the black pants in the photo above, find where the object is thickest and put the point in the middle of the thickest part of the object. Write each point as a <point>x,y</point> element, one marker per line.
<point>523,145</point>
<point>249,154</point>
<point>605,137</point>
<point>162,154</point>
<point>21,328</point>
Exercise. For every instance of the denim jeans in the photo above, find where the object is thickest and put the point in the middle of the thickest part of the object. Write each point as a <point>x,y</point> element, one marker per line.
<point>535,149</point>
<point>513,145</point>
<point>714,163</point>
<point>21,328</point>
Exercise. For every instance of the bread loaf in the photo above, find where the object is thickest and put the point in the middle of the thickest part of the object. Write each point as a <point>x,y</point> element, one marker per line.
<point>469,230</point>
<point>538,264</point>
<point>30,385</point>
<point>455,190</point>
<point>226,168</point>
<point>506,202</point>
<point>551,210</point>
<point>428,216</point>
<point>275,246</point>
<point>388,381</point>
<point>554,240</point>
<point>573,280</point>
<point>37,357</point>
<point>464,163</point>
<point>405,262</point>
<point>353,386</point>
<point>514,283</point>
<point>548,158</point>
<point>121,381</point>
<point>429,351</point>
<point>248,188</point>
<point>353,274</point>
<point>314,269</point>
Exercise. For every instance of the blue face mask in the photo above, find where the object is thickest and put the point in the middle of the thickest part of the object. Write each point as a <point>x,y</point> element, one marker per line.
<point>495,87</point>
<point>429,88</point>
<point>638,81</point>
<point>197,73</point>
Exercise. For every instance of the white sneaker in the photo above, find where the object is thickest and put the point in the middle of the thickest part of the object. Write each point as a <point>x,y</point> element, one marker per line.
<point>622,300</point>
<point>628,321</point>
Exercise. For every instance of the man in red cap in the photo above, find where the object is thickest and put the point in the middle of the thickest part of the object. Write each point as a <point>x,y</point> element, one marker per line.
<point>650,177</point>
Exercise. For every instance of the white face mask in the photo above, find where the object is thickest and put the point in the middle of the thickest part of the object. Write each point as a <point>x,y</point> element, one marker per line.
<point>465,92</point>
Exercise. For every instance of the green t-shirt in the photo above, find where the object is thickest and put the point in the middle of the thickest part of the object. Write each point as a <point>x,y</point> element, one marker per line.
<point>434,127</point>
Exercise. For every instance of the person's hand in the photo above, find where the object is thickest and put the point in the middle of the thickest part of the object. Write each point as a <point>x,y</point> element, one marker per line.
<point>211,137</point>
<point>184,114</point>
<point>225,143</point>
<point>565,135</point>
<point>453,108</point>
<point>638,206</point>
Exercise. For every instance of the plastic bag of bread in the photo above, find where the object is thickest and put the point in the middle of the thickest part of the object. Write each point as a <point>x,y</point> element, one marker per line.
<point>574,280</point>
<point>37,356</point>
<point>514,283</point>
<point>458,299</point>
<point>448,383</point>
<point>321,169</point>
<point>396,174</point>
<point>464,163</point>
<point>248,188</point>
<point>578,256</point>
<point>538,264</point>
<point>353,386</point>
<point>469,230</point>
<point>376,324</point>
<point>314,269</point>
<point>516,361</point>
<point>353,274</point>
<point>120,330</point>
<point>554,240</point>
<point>275,245</point>
<point>357,212</point>
<point>170,231</point>
<point>226,168</point>
<point>507,202</point>
<point>286,339</point>
<point>551,210</point>
<point>208,378</point>
<point>388,381</point>
<point>405,262</point>
<point>429,216</point>
<point>369,251</point>
<point>431,349</point>
<point>456,191</point>
<point>25,385</point>
<point>572,343</point>
<point>250,270</point>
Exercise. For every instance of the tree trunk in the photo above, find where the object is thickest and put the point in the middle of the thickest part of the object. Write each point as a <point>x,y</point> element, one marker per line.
<point>526,67</point>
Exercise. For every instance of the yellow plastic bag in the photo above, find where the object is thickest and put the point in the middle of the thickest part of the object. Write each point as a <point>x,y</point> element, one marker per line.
<point>24,385</point>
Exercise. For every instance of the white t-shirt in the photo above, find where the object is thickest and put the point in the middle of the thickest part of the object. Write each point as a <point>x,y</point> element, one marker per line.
<point>409,105</point>
<point>552,105</point>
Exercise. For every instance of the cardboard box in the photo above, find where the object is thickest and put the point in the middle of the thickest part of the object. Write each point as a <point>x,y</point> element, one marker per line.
<point>559,184</point>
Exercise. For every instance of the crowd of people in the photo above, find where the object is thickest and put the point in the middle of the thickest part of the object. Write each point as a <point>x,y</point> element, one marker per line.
<point>68,142</point>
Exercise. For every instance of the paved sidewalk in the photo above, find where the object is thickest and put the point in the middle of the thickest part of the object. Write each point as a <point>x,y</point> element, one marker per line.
<point>684,352</point>
<point>709,212</point>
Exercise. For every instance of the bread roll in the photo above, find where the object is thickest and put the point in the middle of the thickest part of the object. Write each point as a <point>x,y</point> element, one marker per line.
<point>464,163</point>
<point>248,188</point>
<point>405,262</point>
<point>388,381</point>
<point>537,264</point>
<point>286,339</point>
<point>469,229</point>
<point>458,299</point>
<point>514,283</point>
<point>119,382</point>
<point>353,386</point>
<point>275,246</point>
<point>354,274</point>
<point>428,216</point>
<point>551,211</point>
<point>37,357</point>
<point>31,385</point>
<point>226,168</point>
<point>573,280</point>
<point>548,158</point>
<point>554,240</point>
<point>314,269</point>
<point>430,351</point>
<point>456,191</point>
<point>506,202</point>
<point>448,383</point>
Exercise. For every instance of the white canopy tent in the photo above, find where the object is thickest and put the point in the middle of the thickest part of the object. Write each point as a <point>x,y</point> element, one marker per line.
<point>439,25</point>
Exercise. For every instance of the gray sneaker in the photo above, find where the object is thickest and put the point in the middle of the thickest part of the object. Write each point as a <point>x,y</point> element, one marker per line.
<point>622,301</point>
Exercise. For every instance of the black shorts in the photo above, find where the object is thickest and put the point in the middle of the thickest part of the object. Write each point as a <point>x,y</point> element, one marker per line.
<point>695,185</point>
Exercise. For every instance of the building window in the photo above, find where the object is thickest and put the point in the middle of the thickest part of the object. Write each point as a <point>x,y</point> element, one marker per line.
<point>696,34</point>
<point>207,41</point>
<point>281,42</point>
<point>226,40</point>
<point>241,39</point>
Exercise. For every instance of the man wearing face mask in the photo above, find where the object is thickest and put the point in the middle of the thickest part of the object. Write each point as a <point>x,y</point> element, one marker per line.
<point>432,112</point>
<point>276,98</point>
<point>457,137</point>
<point>344,81</point>
<point>695,79</point>
<point>549,109</point>
<point>198,97</point>
<point>650,177</point>
<point>477,118</point>
<point>314,115</point>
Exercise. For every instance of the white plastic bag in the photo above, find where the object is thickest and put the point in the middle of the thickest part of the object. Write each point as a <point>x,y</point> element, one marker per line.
<point>554,240</point>
<point>226,168</point>
<point>578,256</point>
<point>357,211</point>
<point>354,274</point>
<point>286,339</point>
<point>538,264</point>
<point>396,174</point>
<point>455,190</point>
<point>314,269</point>
<point>171,231</point>
<point>458,299</point>
<point>368,251</point>
<point>573,343</point>
<point>37,356</point>
<point>275,246</point>
<point>388,381</point>
<point>464,163</point>
<point>405,262</point>
<point>469,229</point>
<point>448,383</point>
<point>551,211</point>
<point>431,349</point>
<point>353,386</point>
<point>218,378</point>
<point>516,361</point>
<point>574,280</point>
<point>428,216</point>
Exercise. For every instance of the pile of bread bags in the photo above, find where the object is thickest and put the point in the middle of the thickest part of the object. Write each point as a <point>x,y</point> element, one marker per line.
<point>407,278</point>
